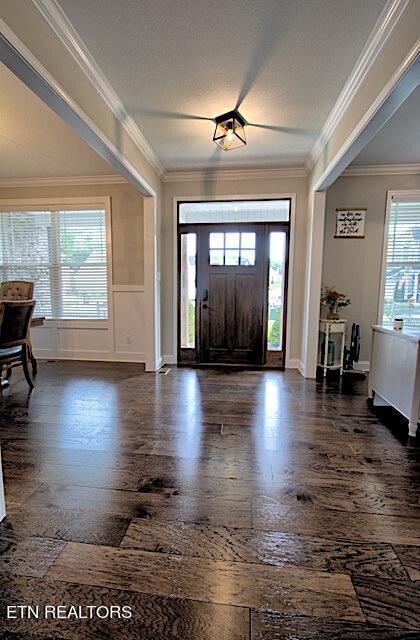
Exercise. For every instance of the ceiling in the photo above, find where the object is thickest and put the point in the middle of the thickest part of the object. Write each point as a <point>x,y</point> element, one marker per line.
<point>398,142</point>
<point>284,61</point>
<point>35,142</point>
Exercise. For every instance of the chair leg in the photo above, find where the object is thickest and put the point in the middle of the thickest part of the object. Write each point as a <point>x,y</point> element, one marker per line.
<point>32,359</point>
<point>25,367</point>
<point>5,378</point>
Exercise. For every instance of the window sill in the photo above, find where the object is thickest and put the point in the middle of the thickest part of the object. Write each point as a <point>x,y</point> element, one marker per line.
<point>77,324</point>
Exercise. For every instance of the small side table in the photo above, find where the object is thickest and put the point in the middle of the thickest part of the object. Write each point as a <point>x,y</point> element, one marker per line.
<point>332,337</point>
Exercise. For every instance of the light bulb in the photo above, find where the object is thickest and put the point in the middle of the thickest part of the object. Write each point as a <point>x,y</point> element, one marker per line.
<point>229,138</point>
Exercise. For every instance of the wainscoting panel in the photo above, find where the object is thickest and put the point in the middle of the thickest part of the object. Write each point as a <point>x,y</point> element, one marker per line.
<point>81,339</point>
<point>120,339</point>
<point>129,321</point>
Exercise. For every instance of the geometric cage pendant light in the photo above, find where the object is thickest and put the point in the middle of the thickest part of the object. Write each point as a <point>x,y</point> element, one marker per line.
<point>230,130</point>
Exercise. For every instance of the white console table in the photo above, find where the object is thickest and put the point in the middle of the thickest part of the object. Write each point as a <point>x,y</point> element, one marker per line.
<point>331,331</point>
<point>394,376</point>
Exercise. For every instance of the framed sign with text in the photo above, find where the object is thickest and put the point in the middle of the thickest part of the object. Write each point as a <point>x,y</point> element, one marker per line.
<point>350,223</point>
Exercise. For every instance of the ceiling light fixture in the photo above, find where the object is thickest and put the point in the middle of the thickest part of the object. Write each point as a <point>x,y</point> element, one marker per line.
<point>230,130</point>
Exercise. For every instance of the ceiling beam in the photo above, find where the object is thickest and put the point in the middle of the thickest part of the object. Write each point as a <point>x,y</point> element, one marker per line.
<point>20,61</point>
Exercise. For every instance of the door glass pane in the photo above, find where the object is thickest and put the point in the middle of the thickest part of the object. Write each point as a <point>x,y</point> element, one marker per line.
<point>248,257</point>
<point>232,256</point>
<point>188,289</point>
<point>216,256</point>
<point>276,290</point>
<point>216,240</point>
<point>232,240</point>
<point>248,240</point>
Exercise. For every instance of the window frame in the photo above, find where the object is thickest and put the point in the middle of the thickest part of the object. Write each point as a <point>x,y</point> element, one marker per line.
<point>413,194</point>
<point>74,204</point>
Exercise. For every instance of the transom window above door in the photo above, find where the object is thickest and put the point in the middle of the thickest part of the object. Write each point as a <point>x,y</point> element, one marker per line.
<point>232,249</point>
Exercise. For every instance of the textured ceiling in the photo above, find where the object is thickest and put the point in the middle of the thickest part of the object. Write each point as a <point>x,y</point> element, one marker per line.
<point>35,142</point>
<point>398,142</point>
<point>286,61</point>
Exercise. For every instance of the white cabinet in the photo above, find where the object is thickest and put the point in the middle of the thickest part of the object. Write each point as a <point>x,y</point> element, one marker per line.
<point>394,376</point>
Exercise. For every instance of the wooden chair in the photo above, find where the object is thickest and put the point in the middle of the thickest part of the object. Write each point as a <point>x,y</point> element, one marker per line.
<point>16,290</point>
<point>15,319</point>
<point>19,290</point>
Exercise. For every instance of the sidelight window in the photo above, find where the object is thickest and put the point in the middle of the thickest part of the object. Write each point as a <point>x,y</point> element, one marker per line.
<point>188,289</point>
<point>276,287</point>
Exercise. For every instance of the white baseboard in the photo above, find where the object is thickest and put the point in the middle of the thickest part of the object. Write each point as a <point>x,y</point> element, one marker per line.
<point>98,356</point>
<point>295,363</point>
<point>292,363</point>
<point>362,365</point>
<point>301,368</point>
<point>169,359</point>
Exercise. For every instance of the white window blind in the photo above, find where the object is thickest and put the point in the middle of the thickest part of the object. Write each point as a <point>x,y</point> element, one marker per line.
<point>64,254</point>
<point>402,264</point>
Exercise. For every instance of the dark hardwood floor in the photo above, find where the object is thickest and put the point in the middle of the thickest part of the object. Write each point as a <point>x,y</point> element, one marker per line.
<point>218,505</point>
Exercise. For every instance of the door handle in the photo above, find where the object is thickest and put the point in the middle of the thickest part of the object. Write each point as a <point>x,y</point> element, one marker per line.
<point>205,295</point>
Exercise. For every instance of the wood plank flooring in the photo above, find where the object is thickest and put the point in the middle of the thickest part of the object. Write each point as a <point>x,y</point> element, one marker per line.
<point>216,504</point>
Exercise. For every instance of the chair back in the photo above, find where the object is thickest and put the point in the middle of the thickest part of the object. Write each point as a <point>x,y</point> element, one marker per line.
<point>17,290</point>
<point>15,322</point>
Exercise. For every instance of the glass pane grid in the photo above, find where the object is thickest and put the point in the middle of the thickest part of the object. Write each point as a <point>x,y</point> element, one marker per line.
<point>64,254</point>
<point>402,275</point>
<point>232,248</point>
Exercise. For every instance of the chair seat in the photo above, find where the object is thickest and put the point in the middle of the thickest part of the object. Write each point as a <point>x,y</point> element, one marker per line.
<point>6,354</point>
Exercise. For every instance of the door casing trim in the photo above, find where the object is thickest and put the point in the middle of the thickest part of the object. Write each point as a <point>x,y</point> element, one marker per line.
<point>205,198</point>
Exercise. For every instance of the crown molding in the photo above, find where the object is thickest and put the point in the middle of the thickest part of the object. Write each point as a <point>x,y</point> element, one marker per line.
<point>382,170</point>
<point>235,174</point>
<point>383,28</point>
<point>64,30</point>
<point>198,176</point>
<point>67,181</point>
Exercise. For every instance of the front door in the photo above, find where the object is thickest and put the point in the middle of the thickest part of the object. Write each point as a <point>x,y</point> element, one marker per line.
<point>232,293</point>
<point>230,286</point>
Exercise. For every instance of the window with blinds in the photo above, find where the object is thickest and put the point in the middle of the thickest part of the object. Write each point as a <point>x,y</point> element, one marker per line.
<point>402,264</point>
<point>64,254</point>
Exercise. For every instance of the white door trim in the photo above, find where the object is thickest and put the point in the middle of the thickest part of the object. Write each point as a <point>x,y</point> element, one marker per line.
<point>204,198</point>
<point>151,287</point>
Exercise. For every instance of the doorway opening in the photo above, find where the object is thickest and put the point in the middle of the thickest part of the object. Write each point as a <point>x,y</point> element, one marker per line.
<point>233,259</point>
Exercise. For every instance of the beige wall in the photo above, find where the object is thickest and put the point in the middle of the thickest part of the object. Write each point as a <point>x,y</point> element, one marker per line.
<point>353,266</point>
<point>224,189</point>
<point>126,221</point>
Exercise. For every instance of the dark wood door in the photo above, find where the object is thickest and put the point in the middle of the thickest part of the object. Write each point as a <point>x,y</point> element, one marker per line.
<point>231,291</point>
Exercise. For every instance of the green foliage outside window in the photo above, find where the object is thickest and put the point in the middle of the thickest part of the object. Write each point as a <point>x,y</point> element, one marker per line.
<point>274,333</point>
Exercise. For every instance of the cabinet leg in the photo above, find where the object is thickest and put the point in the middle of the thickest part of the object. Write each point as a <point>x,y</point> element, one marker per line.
<point>370,393</point>
<point>412,428</point>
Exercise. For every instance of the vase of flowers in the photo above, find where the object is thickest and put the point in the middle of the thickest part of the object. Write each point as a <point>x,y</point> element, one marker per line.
<point>334,300</point>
